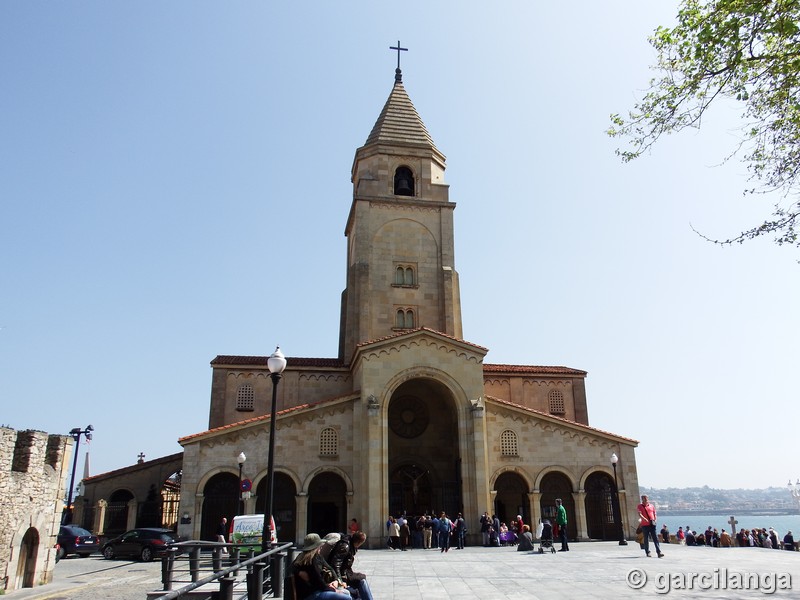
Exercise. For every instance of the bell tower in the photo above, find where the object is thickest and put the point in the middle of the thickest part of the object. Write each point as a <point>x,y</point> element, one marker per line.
<point>400,251</point>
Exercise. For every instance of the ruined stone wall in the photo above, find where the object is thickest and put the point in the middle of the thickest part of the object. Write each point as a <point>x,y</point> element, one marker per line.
<point>33,472</point>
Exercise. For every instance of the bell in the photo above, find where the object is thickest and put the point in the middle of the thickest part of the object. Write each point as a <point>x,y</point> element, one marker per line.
<point>402,187</point>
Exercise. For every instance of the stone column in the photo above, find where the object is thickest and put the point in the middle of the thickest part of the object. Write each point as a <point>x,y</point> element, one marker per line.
<point>99,525</point>
<point>534,499</point>
<point>301,504</point>
<point>132,506</point>
<point>579,498</point>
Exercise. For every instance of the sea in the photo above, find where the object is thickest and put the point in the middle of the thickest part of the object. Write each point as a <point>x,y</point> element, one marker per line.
<point>700,521</point>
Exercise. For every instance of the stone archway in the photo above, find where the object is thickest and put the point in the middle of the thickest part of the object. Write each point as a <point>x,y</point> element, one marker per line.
<point>512,498</point>
<point>327,504</point>
<point>557,485</point>
<point>220,499</point>
<point>284,505</point>
<point>28,554</point>
<point>600,523</point>
<point>117,512</point>
<point>424,472</point>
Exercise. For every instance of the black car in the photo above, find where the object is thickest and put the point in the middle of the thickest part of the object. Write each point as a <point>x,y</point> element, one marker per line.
<point>76,540</point>
<point>144,543</point>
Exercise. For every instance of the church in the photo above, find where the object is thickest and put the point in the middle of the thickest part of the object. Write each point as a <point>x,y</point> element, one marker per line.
<point>408,418</point>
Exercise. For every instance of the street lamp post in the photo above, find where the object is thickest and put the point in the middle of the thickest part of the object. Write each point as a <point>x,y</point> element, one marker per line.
<point>76,434</point>
<point>276,364</point>
<point>240,459</point>
<point>615,502</point>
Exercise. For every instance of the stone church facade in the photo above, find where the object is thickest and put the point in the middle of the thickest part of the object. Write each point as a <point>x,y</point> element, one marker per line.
<point>408,418</point>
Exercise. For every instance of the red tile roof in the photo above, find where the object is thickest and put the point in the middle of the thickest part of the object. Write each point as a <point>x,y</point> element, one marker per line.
<point>539,413</point>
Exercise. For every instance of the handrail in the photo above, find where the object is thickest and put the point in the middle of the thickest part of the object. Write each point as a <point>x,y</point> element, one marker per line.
<point>219,575</point>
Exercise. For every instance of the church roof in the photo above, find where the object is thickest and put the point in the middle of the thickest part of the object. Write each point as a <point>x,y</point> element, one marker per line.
<point>261,361</point>
<point>554,418</point>
<point>266,418</point>
<point>532,369</point>
<point>400,124</point>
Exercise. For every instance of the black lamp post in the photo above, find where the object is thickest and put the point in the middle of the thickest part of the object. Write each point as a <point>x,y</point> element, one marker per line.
<point>276,364</point>
<point>76,434</point>
<point>240,459</point>
<point>615,502</point>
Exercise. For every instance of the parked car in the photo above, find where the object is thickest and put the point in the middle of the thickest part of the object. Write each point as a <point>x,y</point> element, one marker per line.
<point>145,543</point>
<point>76,540</point>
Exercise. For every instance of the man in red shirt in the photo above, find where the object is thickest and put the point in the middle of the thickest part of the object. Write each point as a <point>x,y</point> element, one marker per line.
<point>647,521</point>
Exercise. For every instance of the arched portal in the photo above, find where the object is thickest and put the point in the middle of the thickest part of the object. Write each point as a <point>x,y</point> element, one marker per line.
<point>424,460</point>
<point>600,523</point>
<point>28,553</point>
<point>160,506</point>
<point>220,499</point>
<point>117,512</point>
<point>327,504</point>
<point>557,485</point>
<point>512,498</point>
<point>284,506</point>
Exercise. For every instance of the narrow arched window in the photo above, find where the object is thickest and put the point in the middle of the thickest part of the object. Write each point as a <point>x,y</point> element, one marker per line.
<point>403,182</point>
<point>409,276</point>
<point>399,276</point>
<point>400,319</point>
<point>508,443</point>
<point>409,319</point>
<point>245,397</point>
<point>555,400</point>
<point>328,442</point>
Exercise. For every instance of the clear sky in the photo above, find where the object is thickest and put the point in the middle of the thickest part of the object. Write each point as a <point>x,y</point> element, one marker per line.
<point>175,180</point>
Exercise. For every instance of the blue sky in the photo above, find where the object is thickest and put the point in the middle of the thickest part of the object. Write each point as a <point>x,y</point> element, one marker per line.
<point>175,180</point>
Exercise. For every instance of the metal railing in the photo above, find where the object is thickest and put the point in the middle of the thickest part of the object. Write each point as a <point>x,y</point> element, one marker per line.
<point>227,576</point>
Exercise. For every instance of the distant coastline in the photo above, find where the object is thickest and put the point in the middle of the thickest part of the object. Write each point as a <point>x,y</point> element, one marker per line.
<point>728,511</point>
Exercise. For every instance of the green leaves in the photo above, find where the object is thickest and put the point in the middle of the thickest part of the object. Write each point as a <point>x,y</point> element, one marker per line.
<point>747,50</point>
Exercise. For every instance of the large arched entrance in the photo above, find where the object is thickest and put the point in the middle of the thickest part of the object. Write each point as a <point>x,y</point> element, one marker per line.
<point>424,461</point>
<point>557,485</point>
<point>220,499</point>
<point>160,506</point>
<point>512,498</point>
<point>327,504</point>
<point>600,523</point>
<point>28,553</point>
<point>284,506</point>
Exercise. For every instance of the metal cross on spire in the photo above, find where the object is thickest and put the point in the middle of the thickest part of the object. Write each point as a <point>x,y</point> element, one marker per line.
<point>398,74</point>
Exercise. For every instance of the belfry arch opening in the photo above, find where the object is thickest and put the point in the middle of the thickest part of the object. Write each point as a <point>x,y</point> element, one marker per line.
<point>403,182</point>
<point>424,459</point>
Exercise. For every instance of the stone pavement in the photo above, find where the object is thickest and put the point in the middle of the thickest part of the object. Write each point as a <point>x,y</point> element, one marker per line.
<point>588,570</point>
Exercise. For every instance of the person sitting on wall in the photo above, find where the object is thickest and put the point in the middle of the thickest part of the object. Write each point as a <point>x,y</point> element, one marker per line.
<point>341,561</point>
<point>308,570</point>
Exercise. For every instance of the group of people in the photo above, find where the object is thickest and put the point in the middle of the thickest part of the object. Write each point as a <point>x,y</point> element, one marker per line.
<point>324,568</point>
<point>754,538</point>
<point>439,532</point>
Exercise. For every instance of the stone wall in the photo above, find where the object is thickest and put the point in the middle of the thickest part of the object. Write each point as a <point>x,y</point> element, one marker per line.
<point>33,472</point>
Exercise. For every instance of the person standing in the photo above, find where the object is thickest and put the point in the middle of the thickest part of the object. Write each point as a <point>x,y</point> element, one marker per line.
<point>353,527</point>
<point>561,520</point>
<point>486,524</point>
<point>405,535</point>
<point>461,531</point>
<point>394,534</point>
<point>445,528</point>
<point>427,532</point>
<point>222,531</point>
<point>648,522</point>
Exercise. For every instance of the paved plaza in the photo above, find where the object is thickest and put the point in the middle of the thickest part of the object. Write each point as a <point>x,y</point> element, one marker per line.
<point>590,570</point>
